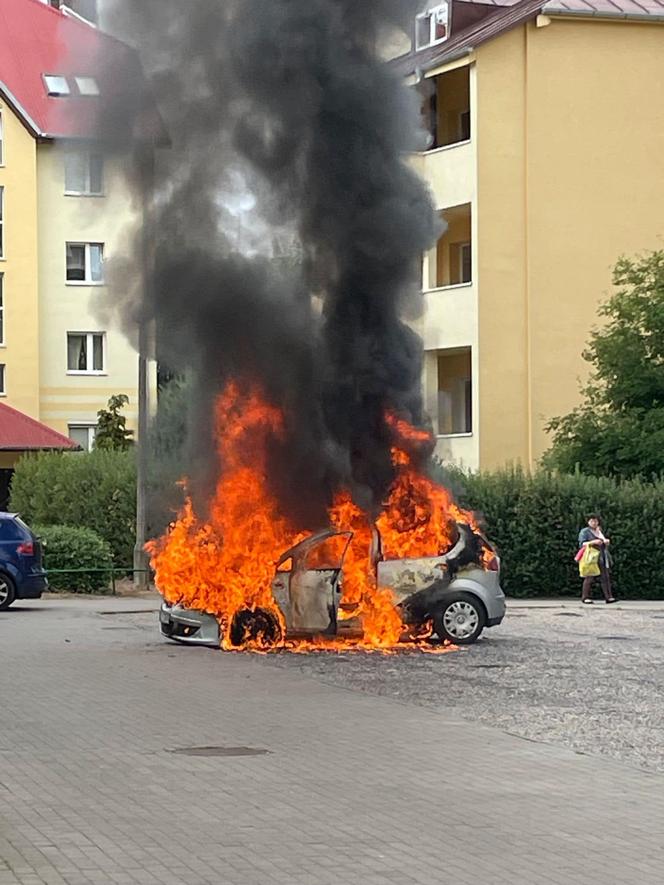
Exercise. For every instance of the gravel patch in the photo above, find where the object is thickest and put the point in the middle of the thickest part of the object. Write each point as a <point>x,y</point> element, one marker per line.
<point>591,680</point>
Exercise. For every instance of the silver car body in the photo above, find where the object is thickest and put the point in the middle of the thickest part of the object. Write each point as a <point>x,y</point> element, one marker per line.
<point>309,597</point>
<point>188,625</point>
<point>407,576</point>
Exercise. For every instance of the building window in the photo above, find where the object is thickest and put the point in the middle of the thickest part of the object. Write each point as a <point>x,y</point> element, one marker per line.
<point>2,222</point>
<point>431,26</point>
<point>56,84</point>
<point>85,353</point>
<point>3,392</point>
<point>84,172</point>
<point>87,85</point>
<point>461,258</point>
<point>446,107</point>
<point>86,9</point>
<point>85,263</point>
<point>2,142</point>
<point>2,308</point>
<point>455,392</point>
<point>83,435</point>
<point>464,125</point>
<point>451,260</point>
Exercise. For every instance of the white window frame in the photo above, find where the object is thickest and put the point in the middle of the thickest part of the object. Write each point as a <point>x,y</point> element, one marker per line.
<point>51,90</point>
<point>2,310</point>
<point>81,425</point>
<point>87,281</point>
<point>431,14</point>
<point>3,379</point>
<point>90,89</point>
<point>2,223</point>
<point>2,140</point>
<point>89,353</point>
<point>87,155</point>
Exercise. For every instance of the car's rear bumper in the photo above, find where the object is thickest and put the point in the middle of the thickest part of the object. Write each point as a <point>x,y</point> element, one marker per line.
<point>32,586</point>
<point>188,626</point>
<point>495,608</point>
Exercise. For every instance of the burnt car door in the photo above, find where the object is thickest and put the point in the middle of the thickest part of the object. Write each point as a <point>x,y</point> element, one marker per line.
<point>308,592</point>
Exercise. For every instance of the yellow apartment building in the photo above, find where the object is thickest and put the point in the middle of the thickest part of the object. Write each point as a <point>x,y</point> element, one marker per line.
<point>546,160</point>
<point>64,209</point>
<point>19,316</point>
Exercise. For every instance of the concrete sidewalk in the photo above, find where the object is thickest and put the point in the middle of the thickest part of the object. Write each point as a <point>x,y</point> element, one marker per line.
<point>353,789</point>
<point>567,602</point>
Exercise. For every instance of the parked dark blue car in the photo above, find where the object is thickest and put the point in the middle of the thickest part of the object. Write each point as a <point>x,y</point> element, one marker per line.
<point>22,575</point>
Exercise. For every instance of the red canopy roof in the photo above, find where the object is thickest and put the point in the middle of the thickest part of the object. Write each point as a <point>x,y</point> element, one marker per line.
<point>37,39</point>
<point>19,432</point>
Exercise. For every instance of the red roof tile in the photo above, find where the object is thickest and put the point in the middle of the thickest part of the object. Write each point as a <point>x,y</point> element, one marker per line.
<point>19,432</point>
<point>36,39</point>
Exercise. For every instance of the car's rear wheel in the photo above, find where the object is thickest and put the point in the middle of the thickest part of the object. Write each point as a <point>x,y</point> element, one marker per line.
<point>7,592</point>
<point>461,619</point>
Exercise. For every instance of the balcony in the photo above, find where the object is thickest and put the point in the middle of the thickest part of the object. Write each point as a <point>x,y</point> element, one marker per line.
<point>449,394</point>
<point>449,164</point>
<point>462,451</point>
<point>450,296</point>
<point>446,108</point>
<point>450,262</point>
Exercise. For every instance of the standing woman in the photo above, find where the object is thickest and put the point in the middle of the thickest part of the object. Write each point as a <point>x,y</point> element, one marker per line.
<point>592,536</point>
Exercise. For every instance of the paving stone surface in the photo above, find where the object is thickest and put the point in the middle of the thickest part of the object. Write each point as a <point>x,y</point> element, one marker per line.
<point>589,678</point>
<point>355,789</point>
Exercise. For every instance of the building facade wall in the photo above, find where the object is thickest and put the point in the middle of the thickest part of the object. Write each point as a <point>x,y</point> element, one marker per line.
<point>596,123</point>
<point>501,251</point>
<point>67,398</point>
<point>19,351</point>
<point>570,147</point>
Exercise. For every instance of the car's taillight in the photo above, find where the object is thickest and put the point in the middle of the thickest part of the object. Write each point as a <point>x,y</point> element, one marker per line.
<point>493,565</point>
<point>27,548</point>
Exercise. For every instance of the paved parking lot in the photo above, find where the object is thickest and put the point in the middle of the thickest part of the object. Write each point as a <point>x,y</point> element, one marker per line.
<point>591,679</point>
<point>365,780</point>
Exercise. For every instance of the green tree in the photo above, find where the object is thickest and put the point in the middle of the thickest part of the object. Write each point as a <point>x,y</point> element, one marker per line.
<point>112,433</point>
<point>619,428</point>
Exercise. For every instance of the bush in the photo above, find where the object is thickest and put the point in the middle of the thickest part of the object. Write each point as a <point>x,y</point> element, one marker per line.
<point>534,521</point>
<point>96,490</point>
<point>68,547</point>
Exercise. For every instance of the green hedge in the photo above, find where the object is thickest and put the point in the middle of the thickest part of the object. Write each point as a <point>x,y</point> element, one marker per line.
<point>535,519</point>
<point>96,490</point>
<point>68,547</point>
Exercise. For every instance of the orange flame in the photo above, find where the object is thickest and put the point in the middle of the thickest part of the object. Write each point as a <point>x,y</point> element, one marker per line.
<point>225,564</point>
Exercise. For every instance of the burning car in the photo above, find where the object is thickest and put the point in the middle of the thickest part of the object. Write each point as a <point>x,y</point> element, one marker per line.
<point>242,575</point>
<point>456,595</point>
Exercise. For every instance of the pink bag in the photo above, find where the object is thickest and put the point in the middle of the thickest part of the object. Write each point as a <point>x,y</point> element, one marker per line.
<point>579,555</point>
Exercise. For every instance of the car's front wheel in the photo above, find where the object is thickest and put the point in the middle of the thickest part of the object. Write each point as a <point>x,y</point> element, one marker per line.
<point>7,592</point>
<point>461,619</point>
<point>258,627</point>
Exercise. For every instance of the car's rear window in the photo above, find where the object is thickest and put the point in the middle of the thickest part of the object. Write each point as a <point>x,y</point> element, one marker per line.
<point>13,529</point>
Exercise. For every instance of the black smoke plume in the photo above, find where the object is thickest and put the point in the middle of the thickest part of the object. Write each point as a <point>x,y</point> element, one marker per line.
<point>289,101</point>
